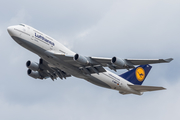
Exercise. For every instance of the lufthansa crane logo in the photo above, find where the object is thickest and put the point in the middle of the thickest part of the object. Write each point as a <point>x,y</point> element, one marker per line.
<point>140,74</point>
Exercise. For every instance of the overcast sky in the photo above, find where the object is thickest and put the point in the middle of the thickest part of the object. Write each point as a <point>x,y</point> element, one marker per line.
<point>104,28</point>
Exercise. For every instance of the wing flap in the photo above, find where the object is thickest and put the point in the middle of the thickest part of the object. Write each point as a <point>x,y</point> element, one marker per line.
<point>92,69</point>
<point>141,88</point>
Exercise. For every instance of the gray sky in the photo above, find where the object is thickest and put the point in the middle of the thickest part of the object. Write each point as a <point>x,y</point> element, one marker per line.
<point>105,28</point>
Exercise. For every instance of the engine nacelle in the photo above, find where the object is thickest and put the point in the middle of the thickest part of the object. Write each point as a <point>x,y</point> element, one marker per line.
<point>32,65</point>
<point>118,62</point>
<point>34,74</point>
<point>80,59</point>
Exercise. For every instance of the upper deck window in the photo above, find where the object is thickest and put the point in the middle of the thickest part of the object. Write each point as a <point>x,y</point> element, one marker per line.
<point>22,25</point>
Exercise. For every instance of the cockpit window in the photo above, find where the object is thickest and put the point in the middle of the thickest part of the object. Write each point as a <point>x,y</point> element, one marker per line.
<point>22,25</point>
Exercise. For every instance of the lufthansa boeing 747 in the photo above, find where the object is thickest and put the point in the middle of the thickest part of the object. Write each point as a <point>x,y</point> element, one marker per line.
<point>58,61</point>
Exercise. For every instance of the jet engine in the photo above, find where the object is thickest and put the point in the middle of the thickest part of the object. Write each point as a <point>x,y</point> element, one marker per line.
<point>80,59</point>
<point>34,74</point>
<point>118,62</point>
<point>32,65</point>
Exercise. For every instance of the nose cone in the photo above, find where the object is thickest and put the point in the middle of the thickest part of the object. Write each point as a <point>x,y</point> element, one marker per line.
<point>10,30</point>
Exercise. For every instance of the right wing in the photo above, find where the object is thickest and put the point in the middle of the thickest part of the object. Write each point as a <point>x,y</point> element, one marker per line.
<point>90,65</point>
<point>117,63</point>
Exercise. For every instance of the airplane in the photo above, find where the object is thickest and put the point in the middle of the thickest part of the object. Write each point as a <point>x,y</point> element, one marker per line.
<point>56,60</point>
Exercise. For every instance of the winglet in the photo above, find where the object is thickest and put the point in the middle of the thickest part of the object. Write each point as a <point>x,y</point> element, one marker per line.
<point>168,60</point>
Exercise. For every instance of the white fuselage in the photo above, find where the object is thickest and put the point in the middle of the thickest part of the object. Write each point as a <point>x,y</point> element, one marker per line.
<point>41,44</point>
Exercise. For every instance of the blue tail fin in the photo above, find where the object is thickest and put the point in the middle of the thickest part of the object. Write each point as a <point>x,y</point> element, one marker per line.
<point>137,75</point>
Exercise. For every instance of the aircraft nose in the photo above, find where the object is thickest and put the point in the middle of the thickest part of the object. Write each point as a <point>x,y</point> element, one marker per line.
<point>10,30</point>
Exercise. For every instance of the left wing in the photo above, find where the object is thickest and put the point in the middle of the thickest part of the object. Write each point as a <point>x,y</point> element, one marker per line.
<point>43,70</point>
<point>141,88</point>
<point>52,72</point>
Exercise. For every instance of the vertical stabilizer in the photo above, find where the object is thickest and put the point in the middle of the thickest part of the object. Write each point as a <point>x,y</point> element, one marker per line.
<point>137,75</point>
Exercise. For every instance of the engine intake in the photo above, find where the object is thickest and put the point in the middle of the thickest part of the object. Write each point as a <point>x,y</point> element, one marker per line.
<point>34,74</point>
<point>80,59</point>
<point>32,65</point>
<point>118,62</point>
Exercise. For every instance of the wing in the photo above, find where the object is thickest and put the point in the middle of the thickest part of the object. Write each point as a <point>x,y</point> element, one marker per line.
<point>85,68</point>
<point>90,65</point>
<point>106,61</point>
<point>117,63</point>
<point>52,72</point>
<point>141,88</point>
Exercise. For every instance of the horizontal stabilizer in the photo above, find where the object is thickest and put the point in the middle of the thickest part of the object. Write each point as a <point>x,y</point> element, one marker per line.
<point>141,88</point>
